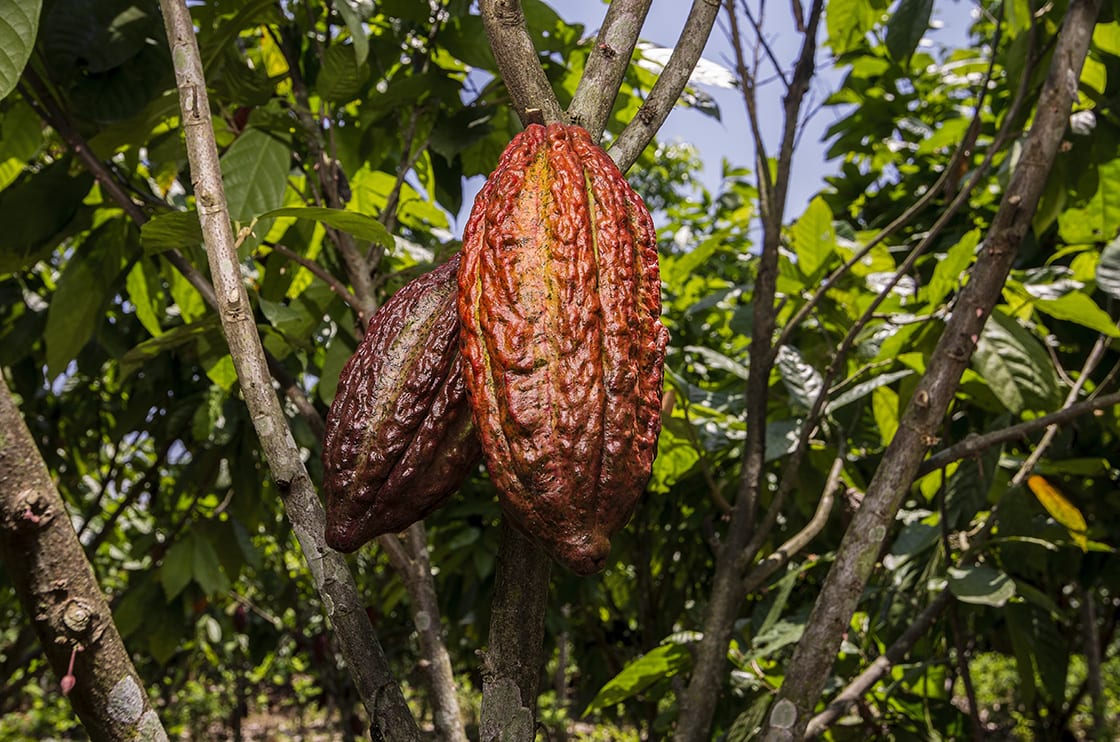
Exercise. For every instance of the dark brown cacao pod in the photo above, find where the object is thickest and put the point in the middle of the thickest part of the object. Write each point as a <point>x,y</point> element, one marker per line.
<point>563,346</point>
<point>399,437</point>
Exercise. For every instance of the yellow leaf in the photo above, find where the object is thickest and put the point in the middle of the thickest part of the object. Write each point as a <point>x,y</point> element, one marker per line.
<point>1061,509</point>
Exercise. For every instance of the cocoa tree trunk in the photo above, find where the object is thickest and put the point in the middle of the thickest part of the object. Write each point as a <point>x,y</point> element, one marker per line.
<point>59,593</point>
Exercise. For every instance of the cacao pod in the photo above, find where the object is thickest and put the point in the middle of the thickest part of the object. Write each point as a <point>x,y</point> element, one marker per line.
<point>562,341</point>
<point>399,438</point>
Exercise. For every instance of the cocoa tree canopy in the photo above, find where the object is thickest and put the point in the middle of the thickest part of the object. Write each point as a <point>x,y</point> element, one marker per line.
<point>900,391</point>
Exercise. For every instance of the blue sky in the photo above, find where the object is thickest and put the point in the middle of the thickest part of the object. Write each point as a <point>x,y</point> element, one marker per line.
<point>729,137</point>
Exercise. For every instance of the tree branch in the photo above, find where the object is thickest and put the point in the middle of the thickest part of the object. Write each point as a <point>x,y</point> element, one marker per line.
<point>60,595</point>
<point>813,658</point>
<point>974,444</point>
<point>389,714</point>
<point>895,653</point>
<point>606,66</point>
<point>699,701</point>
<point>511,664</point>
<point>665,92</point>
<point>518,63</point>
<point>53,115</point>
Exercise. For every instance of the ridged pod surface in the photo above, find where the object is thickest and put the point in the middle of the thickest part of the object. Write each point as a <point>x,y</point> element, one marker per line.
<point>563,346</point>
<point>399,437</point>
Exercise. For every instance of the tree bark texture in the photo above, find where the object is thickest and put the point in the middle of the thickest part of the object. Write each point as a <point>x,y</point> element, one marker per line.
<point>389,714</point>
<point>56,586</point>
<point>511,666</point>
<point>815,653</point>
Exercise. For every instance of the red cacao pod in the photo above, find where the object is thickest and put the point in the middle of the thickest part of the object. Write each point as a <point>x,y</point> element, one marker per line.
<point>563,346</point>
<point>399,437</point>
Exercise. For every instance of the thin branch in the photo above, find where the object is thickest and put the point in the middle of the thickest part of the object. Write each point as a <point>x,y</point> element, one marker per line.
<point>338,287</point>
<point>815,653</point>
<point>383,699</point>
<point>1094,357</point>
<point>882,665</point>
<point>518,63</point>
<point>665,92</point>
<point>60,595</point>
<point>53,115</point>
<point>415,568</point>
<point>699,701</point>
<point>606,65</point>
<point>781,556</point>
<point>974,444</point>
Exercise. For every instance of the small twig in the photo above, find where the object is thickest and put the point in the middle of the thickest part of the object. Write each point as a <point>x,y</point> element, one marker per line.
<point>781,556</point>
<point>1094,357</point>
<point>606,65</point>
<point>896,652</point>
<point>665,92</point>
<point>338,287</point>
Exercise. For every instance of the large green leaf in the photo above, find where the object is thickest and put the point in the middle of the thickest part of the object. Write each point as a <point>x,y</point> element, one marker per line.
<point>171,231</point>
<point>848,22</point>
<point>981,585</point>
<point>21,135</point>
<point>950,268</point>
<point>362,226</point>
<point>87,284</point>
<point>1015,366</point>
<point>36,212</point>
<point>660,663</point>
<point>906,27</point>
<point>1081,309</point>
<point>19,25</point>
<point>255,174</point>
<point>802,380</point>
<point>1098,218</point>
<point>814,239</point>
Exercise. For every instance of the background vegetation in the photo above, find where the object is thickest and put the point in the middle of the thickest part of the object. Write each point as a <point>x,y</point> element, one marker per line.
<point>988,607</point>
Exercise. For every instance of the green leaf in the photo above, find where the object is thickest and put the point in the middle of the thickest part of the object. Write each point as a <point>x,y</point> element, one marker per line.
<point>1081,309</point>
<point>1106,37</point>
<point>950,269</point>
<point>861,390</point>
<point>171,231</point>
<point>884,408</point>
<point>814,239</point>
<point>343,77</point>
<point>1098,218</point>
<point>255,175</point>
<point>1015,366</point>
<point>176,337</point>
<point>981,585</point>
<point>362,226</point>
<point>36,212</point>
<point>206,568</point>
<point>1108,269</point>
<point>177,567</point>
<point>21,135</point>
<point>354,13</point>
<point>676,456</point>
<point>19,25</point>
<point>659,663</point>
<point>802,381</point>
<point>139,288</point>
<point>848,22</point>
<point>906,27</point>
<point>87,283</point>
